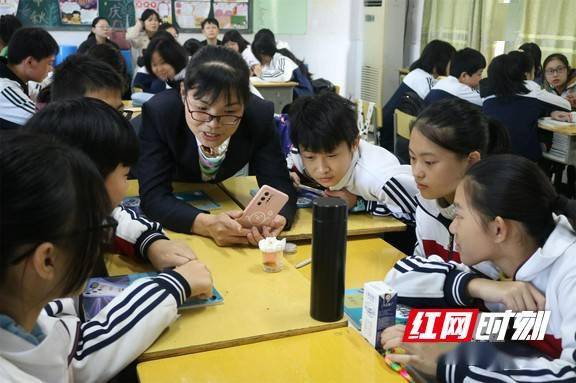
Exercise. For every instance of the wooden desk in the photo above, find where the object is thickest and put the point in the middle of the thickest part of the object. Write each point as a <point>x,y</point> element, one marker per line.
<point>358,224</point>
<point>131,111</point>
<point>367,259</point>
<point>257,305</point>
<point>280,93</point>
<point>339,355</point>
<point>212,190</point>
<point>563,148</point>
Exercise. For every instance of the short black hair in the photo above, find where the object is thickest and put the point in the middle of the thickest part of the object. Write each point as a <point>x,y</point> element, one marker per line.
<point>436,55</point>
<point>31,42</point>
<point>50,192</point>
<point>320,123</point>
<point>192,46</point>
<point>214,70</point>
<point>507,73</point>
<point>169,50</point>
<point>80,74</point>
<point>235,36</point>
<point>149,12</point>
<point>165,26</point>
<point>108,54</point>
<point>92,126</point>
<point>264,44</point>
<point>209,20</point>
<point>534,51</point>
<point>8,25</point>
<point>467,61</point>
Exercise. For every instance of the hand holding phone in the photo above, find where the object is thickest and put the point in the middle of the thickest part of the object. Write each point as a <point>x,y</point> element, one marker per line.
<point>263,208</point>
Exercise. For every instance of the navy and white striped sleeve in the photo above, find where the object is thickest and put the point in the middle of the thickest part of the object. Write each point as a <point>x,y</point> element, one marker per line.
<point>280,69</point>
<point>397,195</point>
<point>430,282</point>
<point>15,105</point>
<point>457,366</point>
<point>135,233</point>
<point>127,326</point>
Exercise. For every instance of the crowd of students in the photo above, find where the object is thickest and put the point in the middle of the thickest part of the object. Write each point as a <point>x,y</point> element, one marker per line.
<point>490,229</point>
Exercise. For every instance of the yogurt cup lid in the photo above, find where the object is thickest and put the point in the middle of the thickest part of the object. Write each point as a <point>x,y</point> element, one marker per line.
<point>271,244</point>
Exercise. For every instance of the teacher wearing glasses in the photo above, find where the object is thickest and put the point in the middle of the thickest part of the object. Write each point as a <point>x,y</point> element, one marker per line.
<point>208,131</point>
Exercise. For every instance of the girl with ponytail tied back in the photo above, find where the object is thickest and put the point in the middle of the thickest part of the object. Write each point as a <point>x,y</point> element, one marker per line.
<point>508,214</point>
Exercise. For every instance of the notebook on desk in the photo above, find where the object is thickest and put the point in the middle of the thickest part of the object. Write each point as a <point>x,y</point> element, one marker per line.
<point>102,290</point>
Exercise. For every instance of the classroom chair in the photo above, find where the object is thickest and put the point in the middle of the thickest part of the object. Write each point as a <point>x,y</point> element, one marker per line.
<point>402,123</point>
<point>127,54</point>
<point>65,51</point>
<point>368,118</point>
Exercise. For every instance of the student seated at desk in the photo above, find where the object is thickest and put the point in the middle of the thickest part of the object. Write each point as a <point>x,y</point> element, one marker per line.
<point>560,77</point>
<point>99,35</point>
<point>108,139</point>
<point>164,64</point>
<point>31,53</point>
<point>512,217</point>
<point>433,62</point>
<point>54,227</point>
<point>84,76</point>
<point>466,70</point>
<point>280,65</point>
<point>446,139</point>
<point>208,131</point>
<point>210,29</point>
<point>328,150</point>
<point>234,40</point>
<point>518,102</point>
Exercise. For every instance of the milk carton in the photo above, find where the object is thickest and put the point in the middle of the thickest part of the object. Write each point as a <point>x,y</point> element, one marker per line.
<point>378,311</point>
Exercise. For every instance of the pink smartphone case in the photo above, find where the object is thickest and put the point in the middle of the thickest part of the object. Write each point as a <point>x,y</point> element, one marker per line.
<point>262,209</point>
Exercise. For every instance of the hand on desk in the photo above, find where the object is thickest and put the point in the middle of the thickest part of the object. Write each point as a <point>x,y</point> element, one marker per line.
<point>165,253</point>
<point>421,356</point>
<point>222,228</point>
<point>198,277</point>
<point>275,228</point>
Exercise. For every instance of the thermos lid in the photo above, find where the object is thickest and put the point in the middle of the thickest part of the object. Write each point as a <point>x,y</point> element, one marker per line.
<point>329,209</point>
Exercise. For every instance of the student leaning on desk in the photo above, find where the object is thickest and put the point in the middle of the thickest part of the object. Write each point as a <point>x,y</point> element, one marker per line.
<point>208,132</point>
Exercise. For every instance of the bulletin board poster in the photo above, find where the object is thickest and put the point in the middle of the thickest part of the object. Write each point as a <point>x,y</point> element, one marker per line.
<point>232,14</point>
<point>163,7</point>
<point>78,12</point>
<point>8,7</point>
<point>189,14</point>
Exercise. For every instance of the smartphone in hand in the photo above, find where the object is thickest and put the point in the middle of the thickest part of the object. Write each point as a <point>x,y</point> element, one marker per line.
<point>262,209</point>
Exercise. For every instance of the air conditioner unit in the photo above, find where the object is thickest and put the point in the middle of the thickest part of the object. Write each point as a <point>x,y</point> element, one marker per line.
<point>384,22</point>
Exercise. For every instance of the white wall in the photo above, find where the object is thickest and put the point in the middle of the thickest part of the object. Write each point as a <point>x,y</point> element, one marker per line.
<point>331,46</point>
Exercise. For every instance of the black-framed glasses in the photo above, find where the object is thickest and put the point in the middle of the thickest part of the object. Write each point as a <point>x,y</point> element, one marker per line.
<point>108,228</point>
<point>559,70</point>
<point>224,119</point>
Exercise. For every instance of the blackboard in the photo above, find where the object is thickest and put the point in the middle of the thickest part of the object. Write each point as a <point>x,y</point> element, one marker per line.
<point>120,13</point>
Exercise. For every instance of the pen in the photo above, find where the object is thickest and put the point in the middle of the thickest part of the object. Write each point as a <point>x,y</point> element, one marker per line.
<point>303,263</point>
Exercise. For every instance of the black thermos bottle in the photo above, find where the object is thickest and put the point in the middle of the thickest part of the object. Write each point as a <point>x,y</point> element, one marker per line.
<point>328,259</point>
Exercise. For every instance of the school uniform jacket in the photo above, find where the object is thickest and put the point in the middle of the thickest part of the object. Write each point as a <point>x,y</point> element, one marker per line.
<point>375,175</point>
<point>16,107</point>
<point>450,87</point>
<point>135,233</point>
<point>520,114</point>
<point>417,81</point>
<point>552,270</point>
<point>282,69</point>
<point>94,351</point>
<point>432,275</point>
<point>169,153</point>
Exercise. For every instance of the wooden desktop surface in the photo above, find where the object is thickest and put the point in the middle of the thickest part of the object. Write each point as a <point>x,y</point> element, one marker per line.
<point>257,305</point>
<point>339,355</point>
<point>358,224</point>
<point>212,190</point>
<point>271,84</point>
<point>367,259</point>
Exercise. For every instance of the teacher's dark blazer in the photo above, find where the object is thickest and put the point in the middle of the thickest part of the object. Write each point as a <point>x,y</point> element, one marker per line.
<point>169,153</point>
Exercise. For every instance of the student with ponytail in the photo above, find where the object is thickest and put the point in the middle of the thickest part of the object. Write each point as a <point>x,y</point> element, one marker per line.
<point>447,138</point>
<point>512,217</point>
<point>518,102</point>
